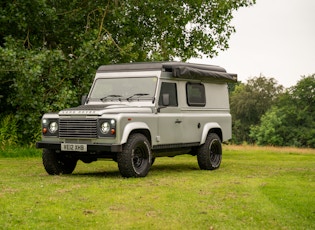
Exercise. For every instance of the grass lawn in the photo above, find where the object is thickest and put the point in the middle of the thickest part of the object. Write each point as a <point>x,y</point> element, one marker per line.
<point>255,188</point>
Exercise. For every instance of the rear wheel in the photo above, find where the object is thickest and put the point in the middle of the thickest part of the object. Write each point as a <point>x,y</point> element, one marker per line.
<point>56,164</point>
<point>209,155</point>
<point>135,159</point>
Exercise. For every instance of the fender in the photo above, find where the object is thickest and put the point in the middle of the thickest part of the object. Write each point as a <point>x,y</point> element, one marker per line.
<point>130,127</point>
<point>206,128</point>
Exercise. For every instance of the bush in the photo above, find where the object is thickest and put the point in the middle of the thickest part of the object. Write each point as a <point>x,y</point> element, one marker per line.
<point>8,131</point>
<point>267,133</point>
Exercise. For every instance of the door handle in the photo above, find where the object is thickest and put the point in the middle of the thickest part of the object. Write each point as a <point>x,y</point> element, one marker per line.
<point>178,121</point>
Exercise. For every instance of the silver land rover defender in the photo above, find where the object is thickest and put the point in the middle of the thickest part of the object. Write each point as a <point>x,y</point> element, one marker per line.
<point>139,111</point>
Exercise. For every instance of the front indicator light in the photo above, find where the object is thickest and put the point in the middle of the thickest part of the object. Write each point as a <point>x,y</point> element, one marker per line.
<point>113,131</point>
<point>44,130</point>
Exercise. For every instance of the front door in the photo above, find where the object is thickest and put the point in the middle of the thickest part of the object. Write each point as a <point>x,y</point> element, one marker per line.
<point>170,126</point>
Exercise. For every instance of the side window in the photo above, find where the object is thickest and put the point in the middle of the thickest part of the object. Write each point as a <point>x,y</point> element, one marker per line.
<point>168,94</point>
<point>195,93</point>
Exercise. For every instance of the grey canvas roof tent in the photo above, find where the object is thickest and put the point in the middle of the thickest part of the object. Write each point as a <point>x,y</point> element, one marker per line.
<point>178,69</point>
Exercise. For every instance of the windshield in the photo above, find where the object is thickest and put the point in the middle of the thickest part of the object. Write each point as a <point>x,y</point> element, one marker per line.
<point>118,89</point>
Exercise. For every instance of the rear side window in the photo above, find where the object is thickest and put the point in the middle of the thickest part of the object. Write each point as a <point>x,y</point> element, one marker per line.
<point>196,95</point>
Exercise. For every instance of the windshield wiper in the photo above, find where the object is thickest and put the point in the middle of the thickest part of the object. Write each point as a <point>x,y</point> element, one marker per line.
<point>111,96</point>
<point>137,95</point>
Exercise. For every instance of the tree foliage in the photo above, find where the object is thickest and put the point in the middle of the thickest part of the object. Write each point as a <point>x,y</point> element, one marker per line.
<point>50,49</point>
<point>291,122</point>
<point>267,132</point>
<point>249,102</point>
<point>151,29</point>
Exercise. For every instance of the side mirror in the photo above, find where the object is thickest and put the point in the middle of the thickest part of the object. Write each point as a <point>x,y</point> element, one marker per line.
<point>165,99</point>
<point>83,99</point>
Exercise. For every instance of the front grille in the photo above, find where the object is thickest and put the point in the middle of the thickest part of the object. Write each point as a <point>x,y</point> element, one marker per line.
<point>78,128</point>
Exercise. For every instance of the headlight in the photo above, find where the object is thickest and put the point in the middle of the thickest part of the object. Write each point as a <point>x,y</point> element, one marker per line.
<point>50,126</point>
<point>105,127</point>
<point>53,127</point>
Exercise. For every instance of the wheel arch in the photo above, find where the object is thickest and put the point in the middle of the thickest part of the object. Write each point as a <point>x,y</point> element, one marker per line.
<point>212,127</point>
<point>136,127</point>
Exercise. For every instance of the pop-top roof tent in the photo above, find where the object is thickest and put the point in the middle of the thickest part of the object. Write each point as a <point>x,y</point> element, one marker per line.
<point>178,69</point>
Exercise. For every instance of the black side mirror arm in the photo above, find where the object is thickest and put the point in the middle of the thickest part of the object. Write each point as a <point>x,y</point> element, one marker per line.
<point>83,99</point>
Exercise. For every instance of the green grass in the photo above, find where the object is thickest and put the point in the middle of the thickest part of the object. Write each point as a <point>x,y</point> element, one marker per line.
<point>13,152</point>
<point>255,188</point>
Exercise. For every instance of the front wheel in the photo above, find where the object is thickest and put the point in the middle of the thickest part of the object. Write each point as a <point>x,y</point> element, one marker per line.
<point>209,155</point>
<point>56,164</point>
<point>135,159</point>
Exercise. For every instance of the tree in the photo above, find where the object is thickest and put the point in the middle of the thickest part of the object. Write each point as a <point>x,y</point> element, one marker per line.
<point>291,122</point>
<point>298,105</point>
<point>152,29</point>
<point>249,102</point>
<point>50,49</point>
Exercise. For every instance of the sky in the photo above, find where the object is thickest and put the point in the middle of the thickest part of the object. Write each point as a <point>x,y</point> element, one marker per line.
<point>274,38</point>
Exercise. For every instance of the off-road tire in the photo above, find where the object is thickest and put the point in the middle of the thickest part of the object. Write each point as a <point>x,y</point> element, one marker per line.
<point>56,164</point>
<point>135,159</point>
<point>209,155</point>
<point>152,160</point>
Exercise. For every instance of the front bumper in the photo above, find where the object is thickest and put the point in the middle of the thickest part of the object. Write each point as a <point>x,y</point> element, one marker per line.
<point>90,147</point>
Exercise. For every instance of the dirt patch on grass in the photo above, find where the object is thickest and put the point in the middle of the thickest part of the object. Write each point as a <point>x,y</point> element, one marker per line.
<point>292,150</point>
